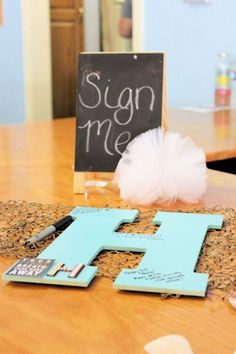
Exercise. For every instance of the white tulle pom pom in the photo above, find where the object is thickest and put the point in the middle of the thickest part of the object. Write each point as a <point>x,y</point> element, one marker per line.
<point>159,167</point>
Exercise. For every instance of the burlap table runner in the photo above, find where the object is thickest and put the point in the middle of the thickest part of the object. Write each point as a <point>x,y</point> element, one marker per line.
<point>20,220</point>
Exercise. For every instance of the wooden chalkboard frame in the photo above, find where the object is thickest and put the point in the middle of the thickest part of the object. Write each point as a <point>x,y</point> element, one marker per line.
<point>80,177</point>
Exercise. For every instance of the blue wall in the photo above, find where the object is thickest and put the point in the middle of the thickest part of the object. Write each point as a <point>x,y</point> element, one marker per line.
<point>191,35</point>
<point>11,64</point>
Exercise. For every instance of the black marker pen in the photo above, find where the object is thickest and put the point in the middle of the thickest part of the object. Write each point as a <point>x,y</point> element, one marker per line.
<point>58,226</point>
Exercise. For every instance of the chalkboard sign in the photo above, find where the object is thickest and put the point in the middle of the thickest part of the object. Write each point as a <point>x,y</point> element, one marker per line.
<point>119,96</point>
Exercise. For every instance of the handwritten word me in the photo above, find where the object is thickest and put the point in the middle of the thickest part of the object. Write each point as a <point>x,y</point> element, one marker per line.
<point>122,111</point>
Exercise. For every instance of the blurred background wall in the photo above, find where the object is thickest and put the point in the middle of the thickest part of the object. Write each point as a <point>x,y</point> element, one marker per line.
<point>40,41</point>
<point>12,105</point>
<point>191,34</point>
<point>25,61</point>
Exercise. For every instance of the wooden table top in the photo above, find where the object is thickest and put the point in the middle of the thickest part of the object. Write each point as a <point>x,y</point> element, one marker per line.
<point>36,165</point>
<point>214,132</point>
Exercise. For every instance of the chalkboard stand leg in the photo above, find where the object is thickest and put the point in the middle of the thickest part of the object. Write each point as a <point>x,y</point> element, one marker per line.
<point>79,181</point>
<point>100,179</point>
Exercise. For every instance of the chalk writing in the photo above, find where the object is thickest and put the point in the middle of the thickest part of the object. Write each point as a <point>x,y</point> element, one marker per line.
<point>99,124</point>
<point>127,101</point>
<point>127,92</point>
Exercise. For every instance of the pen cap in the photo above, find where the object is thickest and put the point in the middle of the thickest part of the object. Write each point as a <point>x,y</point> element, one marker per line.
<point>62,228</point>
<point>63,223</point>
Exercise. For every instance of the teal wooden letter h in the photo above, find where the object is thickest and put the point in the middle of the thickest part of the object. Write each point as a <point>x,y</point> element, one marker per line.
<point>170,256</point>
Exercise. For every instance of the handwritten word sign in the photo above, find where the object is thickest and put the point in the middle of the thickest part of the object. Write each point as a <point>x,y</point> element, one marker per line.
<point>119,96</point>
<point>170,256</point>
